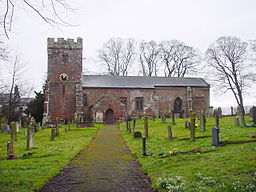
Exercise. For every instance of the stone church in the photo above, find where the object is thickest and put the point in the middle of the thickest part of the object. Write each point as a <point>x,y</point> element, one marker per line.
<point>109,99</point>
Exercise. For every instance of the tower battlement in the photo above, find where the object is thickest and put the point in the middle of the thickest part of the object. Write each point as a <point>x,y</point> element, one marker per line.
<point>65,44</point>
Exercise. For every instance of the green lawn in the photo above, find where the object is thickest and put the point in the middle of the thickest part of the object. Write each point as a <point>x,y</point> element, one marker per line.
<point>32,172</point>
<point>173,167</point>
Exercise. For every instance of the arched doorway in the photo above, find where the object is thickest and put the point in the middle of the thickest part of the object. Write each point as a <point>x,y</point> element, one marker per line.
<point>109,116</point>
<point>177,107</point>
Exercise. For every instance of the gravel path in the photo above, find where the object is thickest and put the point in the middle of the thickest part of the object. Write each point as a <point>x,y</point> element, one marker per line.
<point>107,165</point>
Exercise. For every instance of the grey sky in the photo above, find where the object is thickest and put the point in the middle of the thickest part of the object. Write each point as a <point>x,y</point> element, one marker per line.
<point>195,22</point>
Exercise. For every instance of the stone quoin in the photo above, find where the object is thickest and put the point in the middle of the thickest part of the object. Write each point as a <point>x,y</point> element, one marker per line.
<point>68,91</point>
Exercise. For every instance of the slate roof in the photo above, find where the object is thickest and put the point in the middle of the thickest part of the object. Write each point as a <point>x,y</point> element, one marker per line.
<point>109,81</point>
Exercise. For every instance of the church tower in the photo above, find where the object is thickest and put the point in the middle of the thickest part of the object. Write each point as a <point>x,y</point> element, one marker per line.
<point>64,76</point>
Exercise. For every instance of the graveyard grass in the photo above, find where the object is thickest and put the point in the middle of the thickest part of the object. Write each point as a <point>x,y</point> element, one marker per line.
<point>174,167</point>
<point>48,159</point>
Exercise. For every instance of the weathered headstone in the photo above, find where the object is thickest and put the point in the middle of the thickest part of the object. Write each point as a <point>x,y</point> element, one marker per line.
<point>13,131</point>
<point>10,153</point>
<point>237,123</point>
<point>192,126</point>
<point>215,136</point>
<point>137,134</point>
<point>169,136</point>
<point>53,133</point>
<point>202,121</point>
<point>146,126</point>
<point>31,132</point>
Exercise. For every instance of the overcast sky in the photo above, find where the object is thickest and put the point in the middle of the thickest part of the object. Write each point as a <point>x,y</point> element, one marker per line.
<point>198,23</point>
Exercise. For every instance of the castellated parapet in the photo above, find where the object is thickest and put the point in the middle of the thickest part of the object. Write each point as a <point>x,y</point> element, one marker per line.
<point>65,44</point>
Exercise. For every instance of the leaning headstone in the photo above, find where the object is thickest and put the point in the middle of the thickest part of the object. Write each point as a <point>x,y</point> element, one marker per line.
<point>202,121</point>
<point>146,126</point>
<point>30,137</point>
<point>137,134</point>
<point>192,126</point>
<point>215,136</point>
<point>237,123</point>
<point>10,153</point>
<point>169,136</point>
<point>13,131</point>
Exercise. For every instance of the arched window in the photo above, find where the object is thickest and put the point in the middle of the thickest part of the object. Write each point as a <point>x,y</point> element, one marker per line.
<point>177,105</point>
<point>84,100</point>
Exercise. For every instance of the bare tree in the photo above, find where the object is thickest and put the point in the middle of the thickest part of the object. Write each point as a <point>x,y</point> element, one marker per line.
<point>227,57</point>
<point>50,11</point>
<point>149,58</point>
<point>117,55</point>
<point>11,92</point>
<point>178,58</point>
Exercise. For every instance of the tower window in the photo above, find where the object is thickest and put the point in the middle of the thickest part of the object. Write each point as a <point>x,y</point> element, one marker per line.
<point>139,103</point>
<point>84,100</point>
<point>65,58</point>
<point>123,101</point>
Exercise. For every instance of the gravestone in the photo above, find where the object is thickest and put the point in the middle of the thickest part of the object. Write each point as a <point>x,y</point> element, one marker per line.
<point>69,126</point>
<point>53,133</point>
<point>237,123</point>
<point>145,126</point>
<point>169,136</point>
<point>192,126</point>
<point>31,132</point>
<point>25,134</point>
<point>99,117</point>
<point>254,115</point>
<point>163,119</point>
<point>153,118</point>
<point>202,121</point>
<point>215,136</point>
<point>20,122</point>
<point>137,134</point>
<point>10,153</point>
<point>44,120</point>
<point>17,126</point>
<point>13,131</point>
